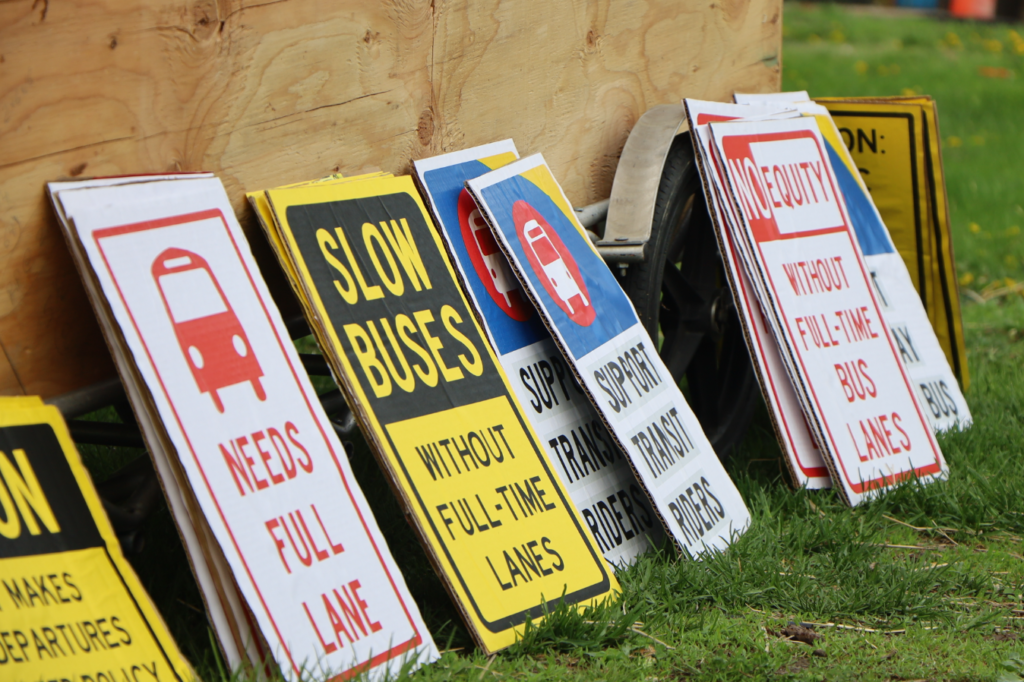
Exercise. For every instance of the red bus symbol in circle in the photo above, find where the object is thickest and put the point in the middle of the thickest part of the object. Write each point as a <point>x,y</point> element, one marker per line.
<point>553,264</point>
<point>490,263</point>
<point>209,333</point>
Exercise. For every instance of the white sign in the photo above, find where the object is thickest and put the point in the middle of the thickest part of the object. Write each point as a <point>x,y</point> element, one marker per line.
<point>615,359</point>
<point>804,460</point>
<point>798,244</point>
<point>270,474</point>
<point>593,468</point>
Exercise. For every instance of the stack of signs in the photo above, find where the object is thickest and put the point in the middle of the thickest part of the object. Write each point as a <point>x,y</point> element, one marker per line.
<point>277,528</point>
<point>803,459</point>
<point>617,363</point>
<point>796,241</point>
<point>73,608</point>
<point>904,311</point>
<point>593,468</point>
<point>895,143</point>
<point>432,401</point>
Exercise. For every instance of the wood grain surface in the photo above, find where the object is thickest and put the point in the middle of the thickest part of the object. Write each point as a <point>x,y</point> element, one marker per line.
<point>267,93</point>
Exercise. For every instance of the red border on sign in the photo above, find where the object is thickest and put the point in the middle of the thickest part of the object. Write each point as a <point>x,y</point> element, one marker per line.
<point>763,235</point>
<point>810,472</point>
<point>104,233</point>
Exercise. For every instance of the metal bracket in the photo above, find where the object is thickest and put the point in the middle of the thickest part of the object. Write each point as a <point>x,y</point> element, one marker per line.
<point>635,187</point>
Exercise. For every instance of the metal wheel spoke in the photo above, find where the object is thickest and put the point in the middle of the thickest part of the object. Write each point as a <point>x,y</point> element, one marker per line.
<point>676,287</point>
<point>680,352</point>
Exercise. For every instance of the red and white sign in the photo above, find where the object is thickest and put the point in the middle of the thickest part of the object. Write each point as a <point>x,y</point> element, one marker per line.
<point>795,437</point>
<point>270,474</point>
<point>810,276</point>
<point>553,264</point>
<point>490,263</point>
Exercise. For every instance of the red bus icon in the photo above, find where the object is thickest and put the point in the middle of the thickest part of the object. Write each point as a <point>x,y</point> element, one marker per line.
<point>209,333</point>
<point>490,263</point>
<point>553,264</point>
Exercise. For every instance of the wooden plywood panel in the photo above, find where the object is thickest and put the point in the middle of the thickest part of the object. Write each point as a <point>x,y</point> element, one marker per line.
<point>569,79</point>
<point>265,93</point>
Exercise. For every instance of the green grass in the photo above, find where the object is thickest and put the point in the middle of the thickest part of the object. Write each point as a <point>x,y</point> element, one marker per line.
<point>831,52</point>
<point>949,607</point>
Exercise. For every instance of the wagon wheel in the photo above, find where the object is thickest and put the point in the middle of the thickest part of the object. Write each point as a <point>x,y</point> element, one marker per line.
<point>681,290</point>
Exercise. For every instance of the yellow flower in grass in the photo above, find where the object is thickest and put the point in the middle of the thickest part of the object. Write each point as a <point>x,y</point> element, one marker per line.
<point>1012,231</point>
<point>974,227</point>
<point>953,40</point>
<point>966,278</point>
<point>954,141</point>
<point>861,67</point>
<point>836,36</point>
<point>1011,262</point>
<point>993,45</point>
<point>909,92</point>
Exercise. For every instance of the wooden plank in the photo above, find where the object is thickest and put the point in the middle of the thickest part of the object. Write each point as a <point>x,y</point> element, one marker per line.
<point>569,79</point>
<point>265,93</point>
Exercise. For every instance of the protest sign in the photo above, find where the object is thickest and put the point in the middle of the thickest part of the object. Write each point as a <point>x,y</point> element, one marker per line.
<point>803,459</point>
<point>260,457</point>
<point>905,315</point>
<point>592,467</point>
<point>800,249</point>
<point>614,358</point>
<point>240,642</point>
<point>434,405</point>
<point>72,607</point>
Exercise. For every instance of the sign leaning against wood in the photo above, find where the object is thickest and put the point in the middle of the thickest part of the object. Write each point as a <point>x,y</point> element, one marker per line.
<point>800,248</point>
<point>434,404</point>
<point>261,457</point>
<point>73,608</point>
<point>601,337</point>
<point>592,467</point>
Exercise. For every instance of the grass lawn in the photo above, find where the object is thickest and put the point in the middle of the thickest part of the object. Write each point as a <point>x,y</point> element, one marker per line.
<point>926,583</point>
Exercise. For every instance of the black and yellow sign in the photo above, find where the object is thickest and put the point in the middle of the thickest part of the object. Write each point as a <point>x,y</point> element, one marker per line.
<point>71,607</point>
<point>433,402</point>
<point>895,143</point>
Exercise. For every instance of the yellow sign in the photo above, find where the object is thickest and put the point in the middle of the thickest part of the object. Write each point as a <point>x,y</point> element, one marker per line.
<point>383,300</point>
<point>71,607</point>
<point>895,143</point>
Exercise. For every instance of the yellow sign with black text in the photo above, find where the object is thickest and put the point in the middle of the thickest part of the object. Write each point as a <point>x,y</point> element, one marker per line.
<point>71,607</point>
<point>423,381</point>
<point>895,143</point>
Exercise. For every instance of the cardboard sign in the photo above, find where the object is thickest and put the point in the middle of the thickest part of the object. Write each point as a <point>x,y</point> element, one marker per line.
<point>800,248</point>
<point>592,467</point>
<point>434,404</point>
<point>895,144</point>
<point>905,315</point>
<point>262,460</point>
<point>615,360</point>
<point>240,641</point>
<point>72,607</point>
<point>803,458</point>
